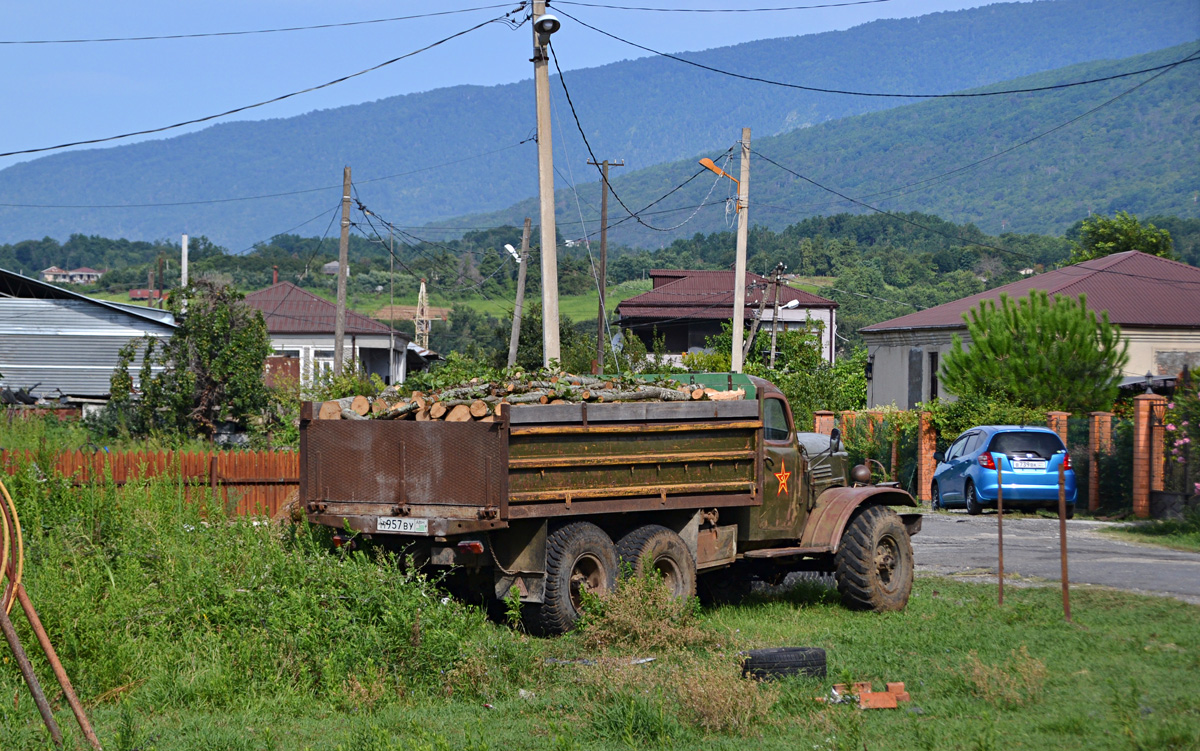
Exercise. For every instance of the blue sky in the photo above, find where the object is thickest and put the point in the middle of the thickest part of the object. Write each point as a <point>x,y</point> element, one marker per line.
<point>56,93</point>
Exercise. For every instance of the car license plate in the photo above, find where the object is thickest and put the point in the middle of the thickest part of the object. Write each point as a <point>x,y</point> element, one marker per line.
<point>400,524</point>
<point>1018,464</point>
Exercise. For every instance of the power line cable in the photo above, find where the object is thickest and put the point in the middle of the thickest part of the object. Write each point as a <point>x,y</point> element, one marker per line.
<point>848,92</point>
<point>207,118</point>
<point>254,31</point>
<point>718,10</point>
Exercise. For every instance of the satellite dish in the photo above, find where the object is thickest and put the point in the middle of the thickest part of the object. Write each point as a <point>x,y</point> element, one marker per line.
<point>618,342</point>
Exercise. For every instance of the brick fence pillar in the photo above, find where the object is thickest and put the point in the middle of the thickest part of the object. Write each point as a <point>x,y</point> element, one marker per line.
<point>846,419</point>
<point>823,421</point>
<point>1099,441</point>
<point>926,446</point>
<point>1144,471</point>
<point>1057,421</point>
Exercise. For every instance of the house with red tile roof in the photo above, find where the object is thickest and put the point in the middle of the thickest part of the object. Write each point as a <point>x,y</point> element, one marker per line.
<point>1155,301</point>
<point>686,307</point>
<point>81,275</point>
<point>301,326</point>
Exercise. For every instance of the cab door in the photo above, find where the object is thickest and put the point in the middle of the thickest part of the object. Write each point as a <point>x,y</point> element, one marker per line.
<point>782,513</point>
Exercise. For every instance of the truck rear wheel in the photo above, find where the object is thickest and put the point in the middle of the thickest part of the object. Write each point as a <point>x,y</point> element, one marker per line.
<point>580,558</point>
<point>875,562</point>
<point>654,547</point>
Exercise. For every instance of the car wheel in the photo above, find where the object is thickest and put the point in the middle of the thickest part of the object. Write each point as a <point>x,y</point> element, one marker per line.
<point>973,507</point>
<point>659,549</point>
<point>935,500</point>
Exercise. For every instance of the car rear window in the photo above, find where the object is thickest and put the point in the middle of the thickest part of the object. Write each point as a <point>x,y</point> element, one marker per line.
<point>1044,445</point>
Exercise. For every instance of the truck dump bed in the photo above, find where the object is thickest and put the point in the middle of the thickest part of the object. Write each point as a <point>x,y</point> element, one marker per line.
<point>531,462</point>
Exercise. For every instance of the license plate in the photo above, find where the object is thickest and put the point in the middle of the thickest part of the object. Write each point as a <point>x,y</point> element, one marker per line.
<point>1017,464</point>
<point>401,524</point>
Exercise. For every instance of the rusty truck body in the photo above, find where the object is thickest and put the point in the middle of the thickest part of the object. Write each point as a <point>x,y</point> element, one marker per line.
<point>552,499</point>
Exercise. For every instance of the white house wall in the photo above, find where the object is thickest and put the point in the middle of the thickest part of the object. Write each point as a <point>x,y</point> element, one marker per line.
<point>311,349</point>
<point>800,319</point>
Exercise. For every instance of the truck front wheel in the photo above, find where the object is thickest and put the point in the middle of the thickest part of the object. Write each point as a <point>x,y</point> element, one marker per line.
<point>875,562</point>
<point>655,548</point>
<point>580,558</point>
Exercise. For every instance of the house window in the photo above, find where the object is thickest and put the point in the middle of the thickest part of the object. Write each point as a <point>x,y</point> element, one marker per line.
<point>933,376</point>
<point>287,353</point>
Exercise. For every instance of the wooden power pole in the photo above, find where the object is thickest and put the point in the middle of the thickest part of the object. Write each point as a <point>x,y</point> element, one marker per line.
<point>339,326</point>
<point>739,273</point>
<point>518,307</point>
<point>602,272</point>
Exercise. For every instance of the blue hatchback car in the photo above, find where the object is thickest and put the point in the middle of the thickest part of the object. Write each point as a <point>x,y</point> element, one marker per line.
<point>1028,458</point>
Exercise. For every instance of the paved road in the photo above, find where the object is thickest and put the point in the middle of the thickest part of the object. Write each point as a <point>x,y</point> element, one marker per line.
<point>957,544</point>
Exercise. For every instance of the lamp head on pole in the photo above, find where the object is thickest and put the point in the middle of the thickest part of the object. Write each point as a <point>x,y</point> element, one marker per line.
<point>710,165</point>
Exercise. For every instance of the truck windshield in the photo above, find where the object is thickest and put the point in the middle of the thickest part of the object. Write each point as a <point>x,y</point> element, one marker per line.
<point>1044,445</point>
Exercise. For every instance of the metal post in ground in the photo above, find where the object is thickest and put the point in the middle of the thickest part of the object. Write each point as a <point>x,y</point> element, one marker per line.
<point>1062,541</point>
<point>1000,523</point>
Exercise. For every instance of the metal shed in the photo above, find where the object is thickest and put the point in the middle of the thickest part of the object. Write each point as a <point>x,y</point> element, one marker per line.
<point>64,342</point>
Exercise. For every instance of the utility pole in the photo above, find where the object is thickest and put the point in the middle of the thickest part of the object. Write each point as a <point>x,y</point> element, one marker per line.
<point>159,279</point>
<point>523,264</point>
<point>542,29</point>
<point>762,305</point>
<point>775,313</point>
<point>391,306</point>
<point>339,326</point>
<point>183,261</point>
<point>739,272</point>
<point>602,272</point>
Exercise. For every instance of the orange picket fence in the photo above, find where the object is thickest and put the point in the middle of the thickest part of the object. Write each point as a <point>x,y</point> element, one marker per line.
<point>248,482</point>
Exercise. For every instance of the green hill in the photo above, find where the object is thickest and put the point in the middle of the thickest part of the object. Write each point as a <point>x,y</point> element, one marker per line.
<point>647,111</point>
<point>1137,154</point>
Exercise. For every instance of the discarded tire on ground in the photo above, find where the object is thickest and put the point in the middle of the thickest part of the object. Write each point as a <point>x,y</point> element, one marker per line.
<point>654,547</point>
<point>580,558</point>
<point>780,662</point>
<point>875,562</point>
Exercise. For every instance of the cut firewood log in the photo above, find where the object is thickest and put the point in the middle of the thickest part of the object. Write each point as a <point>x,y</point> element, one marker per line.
<point>330,411</point>
<point>697,393</point>
<point>479,408</point>
<point>623,396</point>
<point>487,418</point>
<point>437,410</point>
<point>379,406</point>
<point>360,405</point>
<point>423,415</point>
<point>349,414</point>
<point>461,413</point>
<point>665,394</point>
<point>724,396</point>
<point>533,397</point>
<point>398,411</point>
<point>709,391</point>
<point>558,401</point>
<point>419,399</point>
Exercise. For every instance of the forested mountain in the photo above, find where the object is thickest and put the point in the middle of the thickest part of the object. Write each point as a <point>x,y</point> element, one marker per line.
<point>453,151</point>
<point>1137,154</point>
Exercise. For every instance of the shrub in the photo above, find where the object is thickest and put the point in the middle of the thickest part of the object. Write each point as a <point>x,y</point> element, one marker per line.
<point>641,614</point>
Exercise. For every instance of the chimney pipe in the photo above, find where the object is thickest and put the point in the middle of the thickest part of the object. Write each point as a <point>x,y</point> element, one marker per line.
<point>274,275</point>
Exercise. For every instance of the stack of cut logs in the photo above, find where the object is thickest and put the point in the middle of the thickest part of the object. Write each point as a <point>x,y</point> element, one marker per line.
<point>479,400</point>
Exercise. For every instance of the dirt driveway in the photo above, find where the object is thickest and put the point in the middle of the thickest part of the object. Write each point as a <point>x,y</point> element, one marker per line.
<point>951,544</point>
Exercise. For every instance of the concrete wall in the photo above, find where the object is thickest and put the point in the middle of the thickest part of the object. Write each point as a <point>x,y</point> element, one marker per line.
<point>899,355</point>
<point>1161,351</point>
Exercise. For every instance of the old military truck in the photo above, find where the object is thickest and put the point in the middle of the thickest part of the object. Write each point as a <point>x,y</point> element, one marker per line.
<point>550,499</point>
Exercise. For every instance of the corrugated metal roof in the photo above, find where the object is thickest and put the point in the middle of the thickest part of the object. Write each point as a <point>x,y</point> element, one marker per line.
<point>288,309</point>
<point>1136,289</point>
<point>13,284</point>
<point>709,295</point>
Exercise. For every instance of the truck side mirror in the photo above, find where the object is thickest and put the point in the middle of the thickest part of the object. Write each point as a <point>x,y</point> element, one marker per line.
<point>939,456</point>
<point>835,436</point>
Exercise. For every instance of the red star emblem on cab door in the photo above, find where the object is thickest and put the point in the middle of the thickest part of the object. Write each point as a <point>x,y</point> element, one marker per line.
<point>782,476</point>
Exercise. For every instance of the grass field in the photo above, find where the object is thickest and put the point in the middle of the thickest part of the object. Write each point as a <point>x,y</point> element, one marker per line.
<point>1177,534</point>
<point>187,631</point>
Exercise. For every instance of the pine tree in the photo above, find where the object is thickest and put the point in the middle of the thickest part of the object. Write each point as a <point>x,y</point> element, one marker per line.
<point>1038,353</point>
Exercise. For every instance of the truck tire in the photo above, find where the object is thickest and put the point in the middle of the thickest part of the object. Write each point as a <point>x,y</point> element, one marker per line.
<point>875,562</point>
<point>780,662</point>
<point>579,557</point>
<point>663,551</point>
